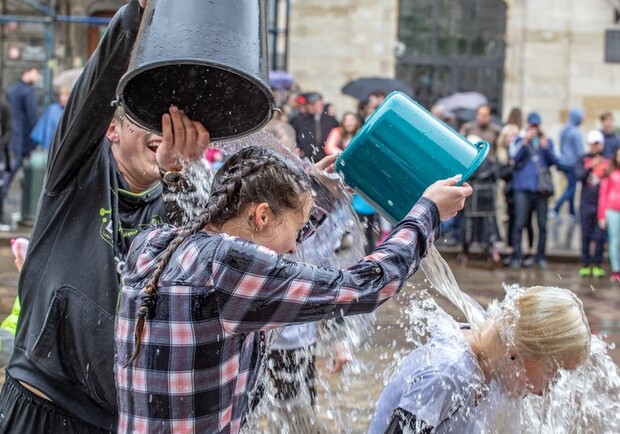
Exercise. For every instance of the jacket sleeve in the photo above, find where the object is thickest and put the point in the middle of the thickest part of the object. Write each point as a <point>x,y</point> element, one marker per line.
<point>602,197</point>
<point>519,153</point>
<point>7,127</point>
<point>89,111</point>
<point>258,290</point>
<point>549,154</point>
<point>581,172</point>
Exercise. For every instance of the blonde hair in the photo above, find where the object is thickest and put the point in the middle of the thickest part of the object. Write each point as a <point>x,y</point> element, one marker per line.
<point>509,130</point>
<point>546,323</point>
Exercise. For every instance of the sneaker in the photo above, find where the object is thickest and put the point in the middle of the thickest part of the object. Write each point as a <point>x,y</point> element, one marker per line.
<point>552,215</point>
<point>585,271</point>
<point>615,277</point>
<point>515,264</point>
<point>598,272</point>
<point>543,264</point>
<point>528,262</point>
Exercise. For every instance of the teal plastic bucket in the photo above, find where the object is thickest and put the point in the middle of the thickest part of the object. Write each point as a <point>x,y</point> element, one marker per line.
<point>401,150</point>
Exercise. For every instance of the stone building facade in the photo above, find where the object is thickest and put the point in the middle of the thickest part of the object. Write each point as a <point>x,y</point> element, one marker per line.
<point>553,60</point>
<point>553,55</point>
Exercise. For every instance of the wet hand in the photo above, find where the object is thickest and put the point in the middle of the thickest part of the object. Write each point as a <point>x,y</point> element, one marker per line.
<point>327,163</point>
<point>448,197</point>
<point>183,140</point>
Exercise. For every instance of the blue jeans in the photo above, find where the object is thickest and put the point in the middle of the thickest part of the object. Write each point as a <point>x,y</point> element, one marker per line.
<point>526,203</point>
<point>569,193</point>
<point>612,218</point>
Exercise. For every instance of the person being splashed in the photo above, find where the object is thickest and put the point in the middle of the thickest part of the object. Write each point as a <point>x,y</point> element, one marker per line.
<point>437,388</point>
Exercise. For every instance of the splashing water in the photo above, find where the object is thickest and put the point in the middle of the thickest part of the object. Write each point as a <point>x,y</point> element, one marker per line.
<point>442,280</point>
<point>584,400</point>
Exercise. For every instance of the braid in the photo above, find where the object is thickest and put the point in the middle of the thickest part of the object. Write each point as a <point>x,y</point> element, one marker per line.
<point>228,198</point>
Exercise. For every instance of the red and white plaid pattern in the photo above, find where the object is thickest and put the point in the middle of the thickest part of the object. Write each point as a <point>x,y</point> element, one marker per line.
<point>197,364</point>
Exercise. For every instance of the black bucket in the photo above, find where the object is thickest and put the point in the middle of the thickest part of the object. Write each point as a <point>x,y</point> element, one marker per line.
<point>209,58</point>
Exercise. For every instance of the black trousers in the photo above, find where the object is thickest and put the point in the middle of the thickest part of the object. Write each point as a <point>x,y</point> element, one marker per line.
<point>21,411</point>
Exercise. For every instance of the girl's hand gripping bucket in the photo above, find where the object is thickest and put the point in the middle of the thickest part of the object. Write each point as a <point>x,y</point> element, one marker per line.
<point>401,150</point>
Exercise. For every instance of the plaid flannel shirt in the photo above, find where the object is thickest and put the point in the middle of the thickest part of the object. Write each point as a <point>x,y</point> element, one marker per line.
<point>203,341</point>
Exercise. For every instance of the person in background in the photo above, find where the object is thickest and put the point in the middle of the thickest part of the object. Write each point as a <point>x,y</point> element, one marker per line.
<point>609,213</point>
<point>530,153</point>
<point>339,137</point>
<point>483,127</point>
<point>312,128</point>
<point>6,133</point>
<point>571,149</point>
<point>440,385</point>
<point>375,98</point>
<point>44,130</point>
<point>507,136</point>
<point>612,141</point>
<point>590,169</point>
<point>22,100</point>
<point>515,117</point>
<point>478,223</point>
<point>444,115</point>
<point>362,110</point>
<point>330,110</point>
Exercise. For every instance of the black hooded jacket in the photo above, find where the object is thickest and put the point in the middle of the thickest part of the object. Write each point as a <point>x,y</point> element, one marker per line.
<point>86,220</point>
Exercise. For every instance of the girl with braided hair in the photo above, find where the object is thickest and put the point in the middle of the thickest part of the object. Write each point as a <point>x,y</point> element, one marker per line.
<point>196,303</point>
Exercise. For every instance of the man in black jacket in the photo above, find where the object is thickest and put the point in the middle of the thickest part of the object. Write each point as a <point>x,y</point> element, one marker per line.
<point>312,128</point>
<point>102,187</point>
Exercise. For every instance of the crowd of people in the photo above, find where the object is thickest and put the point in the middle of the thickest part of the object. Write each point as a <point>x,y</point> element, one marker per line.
<point>25,128</point>
<point>513,187</point>
<point>139,314</point>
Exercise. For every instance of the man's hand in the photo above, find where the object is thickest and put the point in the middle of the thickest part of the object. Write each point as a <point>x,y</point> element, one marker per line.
<point>143,3</point>
<point>183,140</point>
<point>449,198</point>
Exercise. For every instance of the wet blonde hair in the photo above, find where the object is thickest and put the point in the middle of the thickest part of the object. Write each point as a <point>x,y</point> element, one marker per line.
<point>547,324</point>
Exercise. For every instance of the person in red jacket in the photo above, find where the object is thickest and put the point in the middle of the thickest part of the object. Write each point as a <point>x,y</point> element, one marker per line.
<point>609,213</point>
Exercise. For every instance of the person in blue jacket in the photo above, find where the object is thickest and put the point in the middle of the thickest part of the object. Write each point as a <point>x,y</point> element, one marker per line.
<point>44,130</point>
<point>532,154</point>
<point>571,150</point>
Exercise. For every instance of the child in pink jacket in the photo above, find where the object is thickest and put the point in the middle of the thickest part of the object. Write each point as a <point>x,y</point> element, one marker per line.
<point>609,213</point>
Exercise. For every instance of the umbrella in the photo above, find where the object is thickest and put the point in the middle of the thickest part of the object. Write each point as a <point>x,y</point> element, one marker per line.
<point>280,79</point>
<point>364,86</point>
<point>67,78</point>
<point>462,101</point>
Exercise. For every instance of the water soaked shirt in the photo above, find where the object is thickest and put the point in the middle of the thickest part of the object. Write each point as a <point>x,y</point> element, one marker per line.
<point>204,339</point>
<point>438,383</point>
